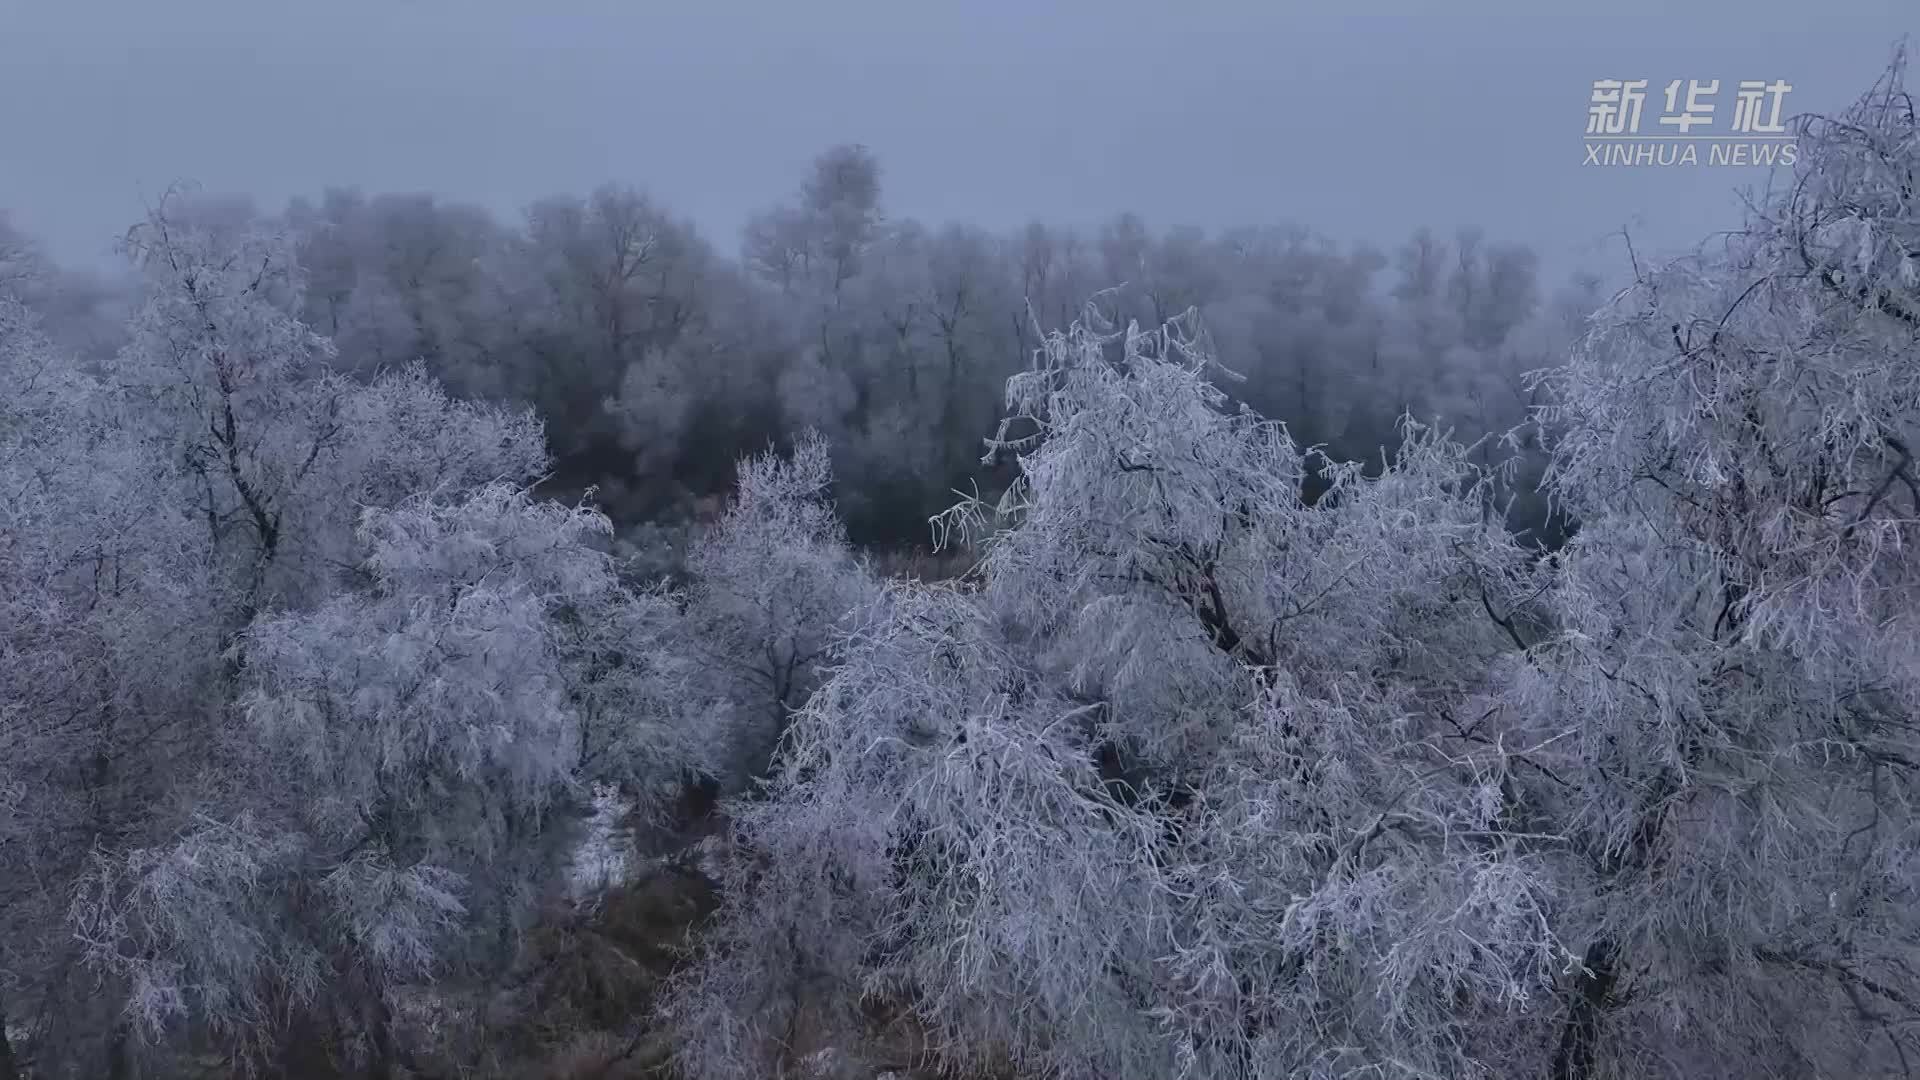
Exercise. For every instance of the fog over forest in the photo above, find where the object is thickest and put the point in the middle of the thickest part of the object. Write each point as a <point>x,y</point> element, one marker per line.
<point>1329,586</point>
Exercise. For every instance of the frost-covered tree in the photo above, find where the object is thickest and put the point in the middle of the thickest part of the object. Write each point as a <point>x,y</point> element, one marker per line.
<point>230,376</point>
<point>1170,569</point>
<point>774,584</point>
<point>104,652</point>
<point>282,452</point>
<point>840,202</point>
<point>1731,683</point>
<point>815,244</point>
<point>281,772</point>
<point>392,799</point>
<point>937,835</point>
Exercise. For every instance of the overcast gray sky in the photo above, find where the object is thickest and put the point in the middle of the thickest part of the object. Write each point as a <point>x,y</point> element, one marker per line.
<point>1202,112</point>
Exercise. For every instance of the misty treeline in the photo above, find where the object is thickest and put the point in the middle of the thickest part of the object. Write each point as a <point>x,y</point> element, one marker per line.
<point>655,361</point>
<point>1226,757</point>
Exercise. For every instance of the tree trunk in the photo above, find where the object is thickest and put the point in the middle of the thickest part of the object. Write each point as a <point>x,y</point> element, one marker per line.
<point>385,1061</point>
<point>1579,1038</point>
<point>120,1063</point>
<point>9,1068</point>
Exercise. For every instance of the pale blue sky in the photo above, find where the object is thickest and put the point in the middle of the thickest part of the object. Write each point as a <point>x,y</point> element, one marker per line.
<point>993,111</point>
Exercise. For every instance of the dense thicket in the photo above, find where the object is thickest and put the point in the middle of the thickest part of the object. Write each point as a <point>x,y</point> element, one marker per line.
<point>1261,736</point>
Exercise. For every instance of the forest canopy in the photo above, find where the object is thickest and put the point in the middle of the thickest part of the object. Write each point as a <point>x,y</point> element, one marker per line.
<point>1316,662</point>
